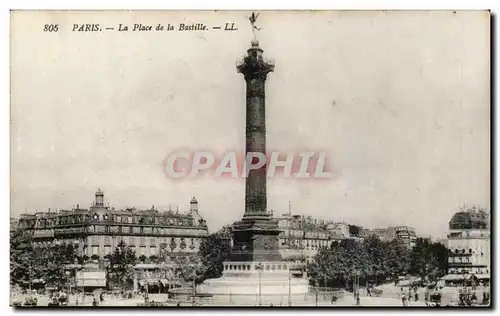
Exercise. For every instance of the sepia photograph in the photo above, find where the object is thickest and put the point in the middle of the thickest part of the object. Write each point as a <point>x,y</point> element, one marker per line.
<point>272,159</point>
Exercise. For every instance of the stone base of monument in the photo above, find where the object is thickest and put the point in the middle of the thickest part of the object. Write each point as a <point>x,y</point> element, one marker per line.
<point>253,278</point>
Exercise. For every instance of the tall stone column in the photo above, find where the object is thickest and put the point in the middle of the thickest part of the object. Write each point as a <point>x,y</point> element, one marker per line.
<point>255,71</point>
<point>255,237</point>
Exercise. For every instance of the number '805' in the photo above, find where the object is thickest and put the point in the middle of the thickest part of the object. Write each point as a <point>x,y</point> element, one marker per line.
<point>51,28</point>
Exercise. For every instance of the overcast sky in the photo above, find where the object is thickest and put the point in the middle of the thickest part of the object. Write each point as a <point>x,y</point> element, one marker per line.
<point>398,100</point>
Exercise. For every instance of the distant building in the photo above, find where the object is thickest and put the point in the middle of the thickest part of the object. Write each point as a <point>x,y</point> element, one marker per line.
<point>98,230</point>
<point>301,237</point>
<point>469,246</point>
<point>404,234</point>
<point>381,233</point>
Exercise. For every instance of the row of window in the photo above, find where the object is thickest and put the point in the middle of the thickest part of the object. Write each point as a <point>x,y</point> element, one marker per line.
<point>463,251</point>
<point>306,242</point>
<point>463,271</point>
<point>108,229</point>
<point>143,241</point>
<point>247,267</point>
<point>76,219</point>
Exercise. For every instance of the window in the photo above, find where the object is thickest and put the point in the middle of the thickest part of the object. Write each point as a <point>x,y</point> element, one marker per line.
<point>125,229</point>
<point>152,242</point>
<point>95,240</point>
<point>143,241</point>
<point>106,240</point>
<point>470,250</point>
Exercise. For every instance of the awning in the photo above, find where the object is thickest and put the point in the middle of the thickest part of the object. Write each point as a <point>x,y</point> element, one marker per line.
<point>91,283</point>
<point>146,266</point>
<point>484,276</point>
<point>456,277</point>
<point>164,282</point>
<point>38,281</point>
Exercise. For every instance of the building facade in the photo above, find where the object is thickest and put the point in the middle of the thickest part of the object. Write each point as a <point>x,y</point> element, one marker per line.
<point>301,237</point>
<point>405,235</point>
<point>469,246</point>
<point>98,230</point>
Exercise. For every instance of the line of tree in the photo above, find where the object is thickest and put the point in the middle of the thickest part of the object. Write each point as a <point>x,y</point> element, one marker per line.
<point>44,264</point>
<point>375,261</point>
<point>121,265</point>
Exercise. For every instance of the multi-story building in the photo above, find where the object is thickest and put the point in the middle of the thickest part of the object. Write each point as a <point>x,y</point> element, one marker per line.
<point>381,233</point>
<point>301,237</point>
<point>339,230</point>
<point>469,246</point>
<point>404,234</point>
<point>98,230</point>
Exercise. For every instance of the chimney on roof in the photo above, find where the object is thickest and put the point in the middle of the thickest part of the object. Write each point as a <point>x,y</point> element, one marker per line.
<point>193,205</point>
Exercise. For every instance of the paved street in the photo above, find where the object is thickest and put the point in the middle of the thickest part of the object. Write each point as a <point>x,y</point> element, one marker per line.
<point>388,299</point>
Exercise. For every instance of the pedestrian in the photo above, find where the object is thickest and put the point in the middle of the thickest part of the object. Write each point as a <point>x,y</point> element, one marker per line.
<point>357,300</point>
<point>334,299</point>
<point>416,296</point>
<point>94,302</point>
<point>403,298</point>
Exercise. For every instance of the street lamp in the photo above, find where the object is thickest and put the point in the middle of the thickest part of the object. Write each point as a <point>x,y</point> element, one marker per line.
<point>260,267</point>
<point>289,287</point>
<point>316,288</point>
<point>324,286</point>
<point>76,282</point>
<point>29,272</point>
<point>68,274</point>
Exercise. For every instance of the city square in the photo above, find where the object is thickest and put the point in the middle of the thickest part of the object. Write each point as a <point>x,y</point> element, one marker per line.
<point>113,254</point>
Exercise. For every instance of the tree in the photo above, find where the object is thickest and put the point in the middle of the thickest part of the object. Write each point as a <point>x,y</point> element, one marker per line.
<point>192,269</point>
<point>322,269</point>
<point>52,260</point>
<point>397,260</point>
<point>214,250</point>
<point>22,259</point>
<point>428,259</point>
<point>122,262</point>
<point>348,261</point>
<point>46,262</point>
